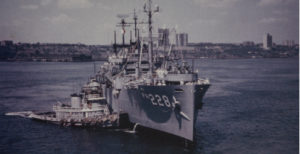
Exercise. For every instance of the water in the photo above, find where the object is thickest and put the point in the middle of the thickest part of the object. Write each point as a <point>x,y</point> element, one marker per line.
<point>251,107</point>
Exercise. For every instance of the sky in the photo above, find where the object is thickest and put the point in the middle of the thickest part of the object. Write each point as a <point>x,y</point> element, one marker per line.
<point>93,21</point>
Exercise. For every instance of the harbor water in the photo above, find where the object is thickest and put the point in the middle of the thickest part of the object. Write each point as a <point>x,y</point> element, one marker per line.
<point>251,107</point>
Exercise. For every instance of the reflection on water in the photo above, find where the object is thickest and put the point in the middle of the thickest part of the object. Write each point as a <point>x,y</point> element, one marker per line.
<point>251,107</point>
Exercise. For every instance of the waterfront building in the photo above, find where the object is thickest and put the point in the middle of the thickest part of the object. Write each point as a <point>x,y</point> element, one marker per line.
<point>163,37</point>
<point>267,41</point>
<point>248,43</point>
<point>181,39</point>
<point>6,43</point>
<point>289,43</point>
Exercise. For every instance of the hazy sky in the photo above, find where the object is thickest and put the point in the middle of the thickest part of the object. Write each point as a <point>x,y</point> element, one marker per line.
<point>93,21</point>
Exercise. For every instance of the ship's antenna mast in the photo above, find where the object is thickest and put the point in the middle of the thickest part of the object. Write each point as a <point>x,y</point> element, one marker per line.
<point>94,68</point>
<point>115,43</point>
<point>149,12</point>
<point>123,24</point>
<point>135,23</point>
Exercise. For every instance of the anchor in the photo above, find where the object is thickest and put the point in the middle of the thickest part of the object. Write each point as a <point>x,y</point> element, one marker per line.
<point>177,109</point>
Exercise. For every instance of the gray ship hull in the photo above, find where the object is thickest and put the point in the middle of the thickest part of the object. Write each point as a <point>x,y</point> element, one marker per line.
<point>171,109</point>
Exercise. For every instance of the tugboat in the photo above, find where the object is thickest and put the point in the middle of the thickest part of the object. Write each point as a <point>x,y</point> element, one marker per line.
<point>89,108</point>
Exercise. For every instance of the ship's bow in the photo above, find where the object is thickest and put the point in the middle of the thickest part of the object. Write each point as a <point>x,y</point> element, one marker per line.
<point>171,109</point>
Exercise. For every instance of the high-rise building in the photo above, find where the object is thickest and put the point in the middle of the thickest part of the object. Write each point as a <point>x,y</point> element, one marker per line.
<point>289,43</point>
<point>181,39</point>
<point>163,37</point>
<point>267,41</point>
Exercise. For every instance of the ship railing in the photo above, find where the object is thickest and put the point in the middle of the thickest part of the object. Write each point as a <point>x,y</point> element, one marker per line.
<point>96,98</point>
<point>203,81</point>
<point>58,107</point>
<point>68,109</point>
<point>93,95</point>
<point>133,66</point>
<point>133,84</point>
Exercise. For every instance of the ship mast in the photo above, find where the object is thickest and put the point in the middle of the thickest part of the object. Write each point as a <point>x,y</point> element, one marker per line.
<point>135,23</point>
<point>149,12</point>
<point>123,24</point>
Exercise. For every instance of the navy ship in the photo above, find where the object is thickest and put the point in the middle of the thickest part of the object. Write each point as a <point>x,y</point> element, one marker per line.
<point>154,87</point>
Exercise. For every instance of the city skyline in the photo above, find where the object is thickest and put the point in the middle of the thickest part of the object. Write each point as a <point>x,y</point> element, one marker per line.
<point>93,22</point>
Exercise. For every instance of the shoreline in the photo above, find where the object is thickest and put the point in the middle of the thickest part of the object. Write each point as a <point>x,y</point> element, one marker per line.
<point>104,60</point>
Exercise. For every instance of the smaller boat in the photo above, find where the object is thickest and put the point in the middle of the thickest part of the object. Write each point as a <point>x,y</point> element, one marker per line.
<point>88,108</point>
